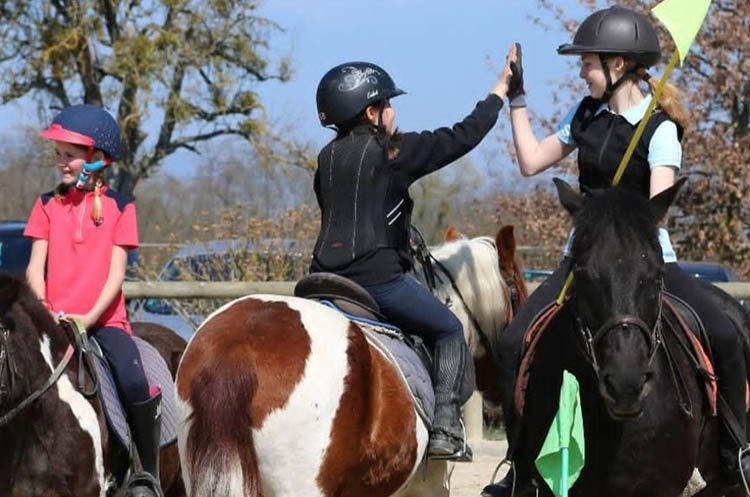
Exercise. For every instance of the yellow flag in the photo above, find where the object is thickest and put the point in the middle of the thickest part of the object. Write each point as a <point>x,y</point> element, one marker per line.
<point>683,19</point>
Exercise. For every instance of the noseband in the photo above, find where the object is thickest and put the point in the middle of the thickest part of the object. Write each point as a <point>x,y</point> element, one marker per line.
<point>621,322</point>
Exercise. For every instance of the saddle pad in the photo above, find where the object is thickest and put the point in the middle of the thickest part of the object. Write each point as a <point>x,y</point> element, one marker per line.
<point>410,367</point>
<point>158,375</point>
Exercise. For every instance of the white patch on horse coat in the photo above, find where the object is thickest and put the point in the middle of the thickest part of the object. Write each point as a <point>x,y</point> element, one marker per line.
<point>292,443</point>
<point>183,410</point>
<point>84,413</point>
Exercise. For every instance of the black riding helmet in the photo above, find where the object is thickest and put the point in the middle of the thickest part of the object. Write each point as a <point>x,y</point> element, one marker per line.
<point>347,89</point>
<point>616,31</point>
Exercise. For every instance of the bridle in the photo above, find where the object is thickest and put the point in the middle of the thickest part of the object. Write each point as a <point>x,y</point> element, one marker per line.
<point>621,322</point>
<point>8,371</point>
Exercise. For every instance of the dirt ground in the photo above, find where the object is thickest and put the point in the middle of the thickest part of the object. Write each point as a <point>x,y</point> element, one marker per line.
<point>469,478</point>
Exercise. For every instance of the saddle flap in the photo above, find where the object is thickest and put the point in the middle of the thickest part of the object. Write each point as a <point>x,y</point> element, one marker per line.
<point>158,374</point>
<point>345,293</point>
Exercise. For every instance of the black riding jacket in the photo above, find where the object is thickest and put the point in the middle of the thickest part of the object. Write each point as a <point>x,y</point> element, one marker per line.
<point>364,197</point>
<point>602,140</point>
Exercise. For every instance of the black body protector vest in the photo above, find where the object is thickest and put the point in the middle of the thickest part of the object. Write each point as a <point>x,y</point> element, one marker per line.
<point>363,206</point>
<point>602,140</point>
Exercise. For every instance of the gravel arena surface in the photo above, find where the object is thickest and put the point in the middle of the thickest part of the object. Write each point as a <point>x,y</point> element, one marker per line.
<point>469,478</point>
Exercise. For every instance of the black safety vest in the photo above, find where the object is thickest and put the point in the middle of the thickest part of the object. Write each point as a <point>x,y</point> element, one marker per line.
<point>602,140</point>
<point>362,208</point>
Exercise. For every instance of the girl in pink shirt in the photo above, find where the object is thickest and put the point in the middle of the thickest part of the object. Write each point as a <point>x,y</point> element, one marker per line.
<point>81,234</point>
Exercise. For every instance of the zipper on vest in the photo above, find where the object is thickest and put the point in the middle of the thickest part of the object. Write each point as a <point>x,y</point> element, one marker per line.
<point>610,127</point>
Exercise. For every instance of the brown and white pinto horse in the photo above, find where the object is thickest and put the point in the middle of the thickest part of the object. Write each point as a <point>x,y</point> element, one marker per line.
<point>281,396</point>
<point>53,434</point>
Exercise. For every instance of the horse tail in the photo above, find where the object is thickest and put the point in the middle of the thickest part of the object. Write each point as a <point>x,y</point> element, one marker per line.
<point>221,453</point>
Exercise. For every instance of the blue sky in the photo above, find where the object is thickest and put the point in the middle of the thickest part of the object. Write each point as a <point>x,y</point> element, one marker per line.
<point>440,52</point>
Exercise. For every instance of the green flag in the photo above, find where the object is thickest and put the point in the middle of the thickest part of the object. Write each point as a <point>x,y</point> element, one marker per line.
<point>683,19</point>
<point>562,456</point>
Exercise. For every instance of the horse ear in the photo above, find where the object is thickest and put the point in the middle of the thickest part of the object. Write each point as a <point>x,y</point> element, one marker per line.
<point>9,289</point>
<point>452,234</point>
<point>660,203</point>
<point>506,245</point>
<point>569,198</point>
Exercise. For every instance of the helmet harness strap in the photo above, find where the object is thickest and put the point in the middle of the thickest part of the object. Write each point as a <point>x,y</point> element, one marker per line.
<point>612,87</point>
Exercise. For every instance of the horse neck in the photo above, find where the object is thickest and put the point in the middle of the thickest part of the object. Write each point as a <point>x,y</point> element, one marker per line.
<point>479,292</point>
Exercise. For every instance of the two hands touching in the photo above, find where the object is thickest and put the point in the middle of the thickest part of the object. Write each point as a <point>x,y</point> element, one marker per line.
<point>510,83</point>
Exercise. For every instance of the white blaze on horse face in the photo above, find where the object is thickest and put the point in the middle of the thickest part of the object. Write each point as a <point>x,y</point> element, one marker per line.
<point>84,413</point>
<point>292,443</point>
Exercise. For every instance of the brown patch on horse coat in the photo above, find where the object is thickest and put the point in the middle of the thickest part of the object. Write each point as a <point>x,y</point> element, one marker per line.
<point>218,375</point>
<point>373,441</point>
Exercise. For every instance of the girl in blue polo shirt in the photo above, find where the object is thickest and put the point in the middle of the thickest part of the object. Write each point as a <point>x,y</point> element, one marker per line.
<point>616,47</point>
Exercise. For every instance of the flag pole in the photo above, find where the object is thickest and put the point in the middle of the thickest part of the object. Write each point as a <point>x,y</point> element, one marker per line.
<point>631,148</point>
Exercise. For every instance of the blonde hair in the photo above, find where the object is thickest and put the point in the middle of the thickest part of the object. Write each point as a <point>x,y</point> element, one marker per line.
<point>96,209</point>
<point>670,100</point>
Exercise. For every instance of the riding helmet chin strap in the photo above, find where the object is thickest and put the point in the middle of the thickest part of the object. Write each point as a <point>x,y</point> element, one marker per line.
<point>612,87</point>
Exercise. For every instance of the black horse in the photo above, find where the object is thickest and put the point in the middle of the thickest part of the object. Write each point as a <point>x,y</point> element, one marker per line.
<point>53,432</point>
<point>645,413</point>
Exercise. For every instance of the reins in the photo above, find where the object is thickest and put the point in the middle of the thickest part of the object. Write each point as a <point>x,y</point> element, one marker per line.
<point>84,363</point>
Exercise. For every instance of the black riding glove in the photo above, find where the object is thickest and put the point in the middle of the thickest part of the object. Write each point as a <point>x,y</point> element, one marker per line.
<point>516,93</point>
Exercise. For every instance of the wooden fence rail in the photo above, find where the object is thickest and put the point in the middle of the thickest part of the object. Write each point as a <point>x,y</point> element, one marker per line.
<point>234,289</point>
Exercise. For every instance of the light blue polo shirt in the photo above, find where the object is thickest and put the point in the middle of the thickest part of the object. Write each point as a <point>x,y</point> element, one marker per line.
<point>663,150</point>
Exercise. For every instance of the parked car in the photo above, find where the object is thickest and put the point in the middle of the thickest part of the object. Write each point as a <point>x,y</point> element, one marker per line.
<point>712,272</point>
<point>219,260</point>
<point>15,250</point>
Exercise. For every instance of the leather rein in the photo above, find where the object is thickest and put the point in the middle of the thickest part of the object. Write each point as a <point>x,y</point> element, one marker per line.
<point>8,370</point>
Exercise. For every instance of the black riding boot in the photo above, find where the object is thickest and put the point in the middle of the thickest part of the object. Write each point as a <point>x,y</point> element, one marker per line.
<point>447,436</point>
<point>731,374</point>
<point>145,426</point>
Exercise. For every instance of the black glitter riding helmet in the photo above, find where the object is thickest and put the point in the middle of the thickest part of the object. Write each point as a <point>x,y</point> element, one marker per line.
<point>347,89</point>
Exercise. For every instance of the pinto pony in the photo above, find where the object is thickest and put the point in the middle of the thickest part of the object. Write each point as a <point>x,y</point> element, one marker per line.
<point>282,396</point>
<point>53,432</point>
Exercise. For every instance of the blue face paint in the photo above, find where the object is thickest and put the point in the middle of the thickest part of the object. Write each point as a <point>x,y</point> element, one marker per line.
<point>86,170</point>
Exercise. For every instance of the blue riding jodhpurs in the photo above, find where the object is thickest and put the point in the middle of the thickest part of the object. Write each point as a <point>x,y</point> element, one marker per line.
<point>125,362</point>
<point>407,304</point>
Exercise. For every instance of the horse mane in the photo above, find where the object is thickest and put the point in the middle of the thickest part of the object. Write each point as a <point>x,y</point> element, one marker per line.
<point>474,266</point>
<point>617,216</point>
<point>15,290</point>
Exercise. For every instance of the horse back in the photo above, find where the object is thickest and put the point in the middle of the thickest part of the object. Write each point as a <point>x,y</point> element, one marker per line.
<point>298,398</point>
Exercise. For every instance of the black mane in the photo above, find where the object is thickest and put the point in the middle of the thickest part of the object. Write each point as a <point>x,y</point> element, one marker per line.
<point>615,216</point>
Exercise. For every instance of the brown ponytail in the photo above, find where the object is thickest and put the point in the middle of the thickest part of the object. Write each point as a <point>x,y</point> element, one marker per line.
<point>670,100</point>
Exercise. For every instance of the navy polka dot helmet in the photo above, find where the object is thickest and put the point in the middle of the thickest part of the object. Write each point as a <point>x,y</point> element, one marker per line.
<point>87,125</point>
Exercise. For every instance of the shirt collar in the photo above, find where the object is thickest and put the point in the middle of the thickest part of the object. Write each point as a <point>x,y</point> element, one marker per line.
<point>632,115</point>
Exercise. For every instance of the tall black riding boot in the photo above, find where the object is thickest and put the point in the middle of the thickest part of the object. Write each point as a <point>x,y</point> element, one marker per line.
<point>447,436</point>
<point>145,426</point>
<point>731,373</point>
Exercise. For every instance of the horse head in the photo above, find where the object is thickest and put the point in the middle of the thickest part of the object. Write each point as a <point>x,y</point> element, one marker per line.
<point>619,280</point>
<point>22,319</point>
<point>490,288</point>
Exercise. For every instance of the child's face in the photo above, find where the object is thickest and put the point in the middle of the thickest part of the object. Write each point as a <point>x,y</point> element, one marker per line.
<point>593,73</point>
<point>389,116</point>
<point>69,160</point>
